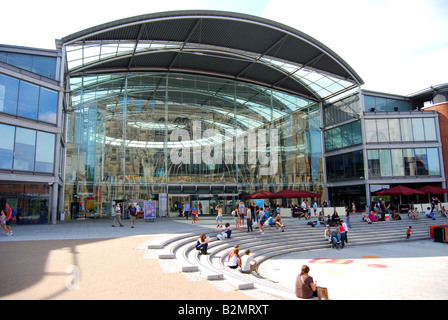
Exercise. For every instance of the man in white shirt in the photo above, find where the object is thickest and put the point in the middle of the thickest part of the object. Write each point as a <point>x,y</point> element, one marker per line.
<point>248,263</point>
<point>117,216</point>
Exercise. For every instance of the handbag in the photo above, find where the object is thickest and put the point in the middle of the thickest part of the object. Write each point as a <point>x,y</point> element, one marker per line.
<point>322,292</point>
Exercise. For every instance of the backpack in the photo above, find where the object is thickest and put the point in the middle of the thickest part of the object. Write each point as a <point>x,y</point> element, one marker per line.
<point>13,213</point>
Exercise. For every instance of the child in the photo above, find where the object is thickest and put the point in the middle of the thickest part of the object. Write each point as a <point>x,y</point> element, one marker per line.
<point>408,232</point>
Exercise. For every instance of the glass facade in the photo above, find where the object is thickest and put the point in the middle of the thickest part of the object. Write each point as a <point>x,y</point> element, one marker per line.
<point>132,136</point>
<point>42,65</point>
<point>401,130</point>
<point>404,162</point>
<point>378,104</point>
<point>21,98</point>
<point>26,149</point>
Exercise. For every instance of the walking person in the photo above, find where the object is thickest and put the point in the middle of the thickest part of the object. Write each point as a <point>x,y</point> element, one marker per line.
<point>347,216</point>
<point>3,222</point>
<point>132,214</point>
<point>242,207</point>
<point>117,217</point>
<point>219,216</point>
<point>186,209</point>
<point>9,216</point>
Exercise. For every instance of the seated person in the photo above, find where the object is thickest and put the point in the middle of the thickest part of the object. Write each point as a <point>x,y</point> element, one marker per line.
<point>235,259</point>
<point>278,222</point>
<point>327,233</point>
<point>372,216</point>
<point>335,219</point>
<point>202,243</point>
<point>414,214</point>
<point>365,217</point>
<point>226,232</point>
<point>443,212</point>
<point>396,215</point>
<point>248,263</point>
<point>429,213</point>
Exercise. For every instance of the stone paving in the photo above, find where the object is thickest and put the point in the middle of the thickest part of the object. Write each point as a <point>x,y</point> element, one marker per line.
<point>406,270</point>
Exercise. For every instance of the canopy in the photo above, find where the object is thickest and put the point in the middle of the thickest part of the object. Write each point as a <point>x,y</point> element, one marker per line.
<point>433,190</point>
<point>259,195</point>
<point>399,190</point>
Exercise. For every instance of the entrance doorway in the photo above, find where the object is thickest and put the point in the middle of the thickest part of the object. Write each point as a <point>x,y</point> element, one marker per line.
<point>203,198</point>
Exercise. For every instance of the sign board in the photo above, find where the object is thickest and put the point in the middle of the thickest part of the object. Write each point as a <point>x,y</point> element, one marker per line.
<point>149,210</point>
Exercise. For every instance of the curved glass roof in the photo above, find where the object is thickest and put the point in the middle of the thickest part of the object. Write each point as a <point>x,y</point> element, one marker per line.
<point>227,45</point>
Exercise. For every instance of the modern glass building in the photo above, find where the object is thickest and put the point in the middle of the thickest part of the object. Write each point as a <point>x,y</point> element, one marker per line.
<point>32,144</point>
<point>207,106</point>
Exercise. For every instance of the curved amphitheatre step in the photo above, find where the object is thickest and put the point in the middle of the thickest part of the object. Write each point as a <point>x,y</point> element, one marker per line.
<point>298,237</point>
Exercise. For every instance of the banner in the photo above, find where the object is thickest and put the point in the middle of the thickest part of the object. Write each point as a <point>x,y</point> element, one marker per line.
<point>149,210</point>
<point>259,203</point>
<point>163,205</point>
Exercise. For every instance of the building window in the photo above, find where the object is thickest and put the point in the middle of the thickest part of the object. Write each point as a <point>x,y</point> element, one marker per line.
<point>400,130</point>
<point>42,65</point>
<point>6,146</point>
<point>348,166</point>
<point>343,136</point>
<point>24,149</point>
<point>403,162</point>
<point>45,152</point>
<point>378,104</point>
<point>27,100</point>
<point>9,94</point>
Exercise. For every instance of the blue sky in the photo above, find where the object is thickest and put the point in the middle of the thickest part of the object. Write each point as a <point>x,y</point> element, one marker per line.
<point>396,46</point>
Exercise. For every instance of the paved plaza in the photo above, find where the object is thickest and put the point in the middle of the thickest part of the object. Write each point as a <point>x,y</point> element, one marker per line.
<point>41,262</point>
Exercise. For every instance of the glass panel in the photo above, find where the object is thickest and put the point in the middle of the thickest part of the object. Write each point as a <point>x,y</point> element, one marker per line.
<point>371,133</point>
<point>19,60</point>
<point>24,149</point>
<point>433,161</point>
<point>346,134</point>
<point>45,66</point>
<point>380,104</point>
<point>410,166</point>
<point>406,130</point>
<point>45,152</point>
<point>356,131</point>
<point>421,162</point>
<point>337,138</point>
<point>403,105</point>
<point>48,105</point>
<point>28,100</point>
<point>374,163</point>
<point>369,103</point>
<point>9,92</point>
<point>430,129</point>
<point>385,163</point>
<point>394,130</point>
<point>417,128</point>
<point>397,162</point>
<point>382,130</point>
<point>6,146</point>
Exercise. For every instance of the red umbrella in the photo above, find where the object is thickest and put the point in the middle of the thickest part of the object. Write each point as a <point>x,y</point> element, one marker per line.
<point>292,194</point>
<point>432,190</point>
<point>399,190</point>
<point>259,195</point>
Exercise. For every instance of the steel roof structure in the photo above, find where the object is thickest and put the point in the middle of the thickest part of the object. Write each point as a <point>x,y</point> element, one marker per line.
<point>223,44</point>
